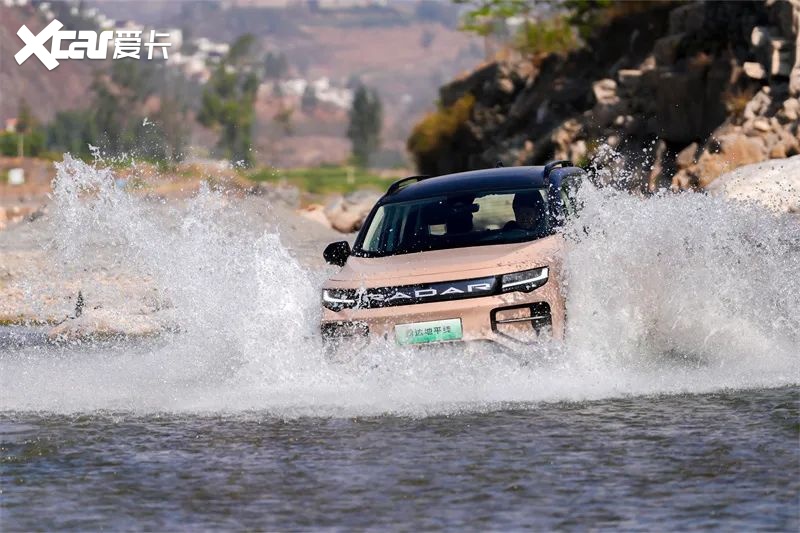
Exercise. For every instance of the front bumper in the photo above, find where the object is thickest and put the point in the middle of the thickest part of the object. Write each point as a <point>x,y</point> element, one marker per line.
<point>513,319</point>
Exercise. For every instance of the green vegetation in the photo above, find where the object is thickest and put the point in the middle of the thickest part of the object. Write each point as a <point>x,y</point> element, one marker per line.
<point>32,144</point>
<point>586,15</point>
<point>325,179</point>
<point>73,132</point>
<point>486,16</point>
<point>27,139</point>
<point>438,129</point>
<point>117,116</point>
<point>228,103</point>
<point>559,32</point>
<point>309,101</point>
<point>115,122</point>
<point>276,66</point>
<point>549,36</point>
<point>366,121</point>
<point>552,34</point>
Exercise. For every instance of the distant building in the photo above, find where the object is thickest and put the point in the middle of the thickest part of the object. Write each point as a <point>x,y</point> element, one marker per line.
<point>209,47</point>
<point>325,92</point>
<point>175,37</point>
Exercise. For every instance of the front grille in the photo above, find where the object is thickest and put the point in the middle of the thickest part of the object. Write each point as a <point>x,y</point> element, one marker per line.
<point>420,293</point>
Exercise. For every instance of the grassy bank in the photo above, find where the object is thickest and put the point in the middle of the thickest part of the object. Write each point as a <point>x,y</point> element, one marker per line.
<point>328,179</point>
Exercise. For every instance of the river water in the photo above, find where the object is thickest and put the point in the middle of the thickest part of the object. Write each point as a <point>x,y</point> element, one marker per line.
<point>673,404</point>
<point>724,460</point>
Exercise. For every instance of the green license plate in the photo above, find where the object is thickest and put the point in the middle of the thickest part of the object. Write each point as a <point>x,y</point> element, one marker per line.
<point>424,332</point>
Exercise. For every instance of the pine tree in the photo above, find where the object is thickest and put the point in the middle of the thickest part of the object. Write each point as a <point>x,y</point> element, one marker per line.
<point>228,104</point>
<point>308,102</point>
<point>366,119</point>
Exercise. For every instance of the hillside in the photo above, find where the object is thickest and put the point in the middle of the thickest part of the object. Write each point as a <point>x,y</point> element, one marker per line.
<point>675,94</point>
<point>399,49</point>
<point>47,92</point>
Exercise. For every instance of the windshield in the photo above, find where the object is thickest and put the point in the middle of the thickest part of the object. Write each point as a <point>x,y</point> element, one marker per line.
<point>457,220</point>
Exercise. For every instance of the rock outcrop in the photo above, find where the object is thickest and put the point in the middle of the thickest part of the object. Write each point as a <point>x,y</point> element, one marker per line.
<point>347,213</point>
<point>679,93</point>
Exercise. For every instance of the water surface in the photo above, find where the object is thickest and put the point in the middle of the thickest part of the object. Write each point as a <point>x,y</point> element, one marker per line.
<point>726,460</point>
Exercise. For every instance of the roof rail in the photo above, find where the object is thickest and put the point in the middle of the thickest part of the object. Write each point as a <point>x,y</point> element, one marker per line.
<point>549,167</point>
<point>405,182</point>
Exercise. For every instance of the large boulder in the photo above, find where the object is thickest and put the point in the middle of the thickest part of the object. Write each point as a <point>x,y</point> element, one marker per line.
<point>315,213</point>
<point>774,183</point>
<point>347,213</point>
<point>729,151</point>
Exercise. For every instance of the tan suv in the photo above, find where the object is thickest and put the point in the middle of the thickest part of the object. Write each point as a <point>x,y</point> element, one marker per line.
<point>462,257</point>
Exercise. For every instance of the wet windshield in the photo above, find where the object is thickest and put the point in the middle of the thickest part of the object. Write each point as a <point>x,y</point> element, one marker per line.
<point>454,221</point>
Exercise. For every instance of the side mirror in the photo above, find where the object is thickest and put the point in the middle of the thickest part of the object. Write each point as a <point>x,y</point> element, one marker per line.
<point>336,253</point>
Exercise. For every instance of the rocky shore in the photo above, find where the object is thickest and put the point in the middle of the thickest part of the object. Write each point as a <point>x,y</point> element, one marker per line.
<point>677,95</point>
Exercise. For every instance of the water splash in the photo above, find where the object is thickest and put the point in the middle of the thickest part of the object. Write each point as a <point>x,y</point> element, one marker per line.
<point>677,293</point>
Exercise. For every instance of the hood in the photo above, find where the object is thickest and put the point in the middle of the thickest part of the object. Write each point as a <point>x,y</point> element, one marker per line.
<point>449,264</point>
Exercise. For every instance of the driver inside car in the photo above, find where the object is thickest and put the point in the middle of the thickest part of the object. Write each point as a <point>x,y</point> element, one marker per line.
<point>530,213</point>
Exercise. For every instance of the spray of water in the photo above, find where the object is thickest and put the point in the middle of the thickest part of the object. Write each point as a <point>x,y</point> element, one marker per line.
<point>677,293</point>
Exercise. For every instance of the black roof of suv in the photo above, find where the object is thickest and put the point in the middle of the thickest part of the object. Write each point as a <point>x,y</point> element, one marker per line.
<point>417,187</point>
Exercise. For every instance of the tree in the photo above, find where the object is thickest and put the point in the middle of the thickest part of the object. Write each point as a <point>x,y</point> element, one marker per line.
<point>116,111</point>
<point>172,118</point>
<point>275,66</point>
<point>73,132</point>
<point>25,124</point>
<point>284,119</point>
<point>241,50</point>
<point>228,103</point>
<point>308,102</point>
<point>366,119</point>
<point>487,17</point>
<point>554,33</point>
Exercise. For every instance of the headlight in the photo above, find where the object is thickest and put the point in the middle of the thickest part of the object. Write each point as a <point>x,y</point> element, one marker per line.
<point>338,299</point>
<point>525,281</point>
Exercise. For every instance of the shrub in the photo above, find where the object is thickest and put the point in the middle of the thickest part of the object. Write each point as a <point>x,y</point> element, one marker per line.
<point>33,144</point>
<point>554,35</point>
<point>437,129</point>
<point>735,100</point>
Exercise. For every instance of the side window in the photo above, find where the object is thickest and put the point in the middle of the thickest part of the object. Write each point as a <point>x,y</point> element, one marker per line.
<point>371,241</point>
